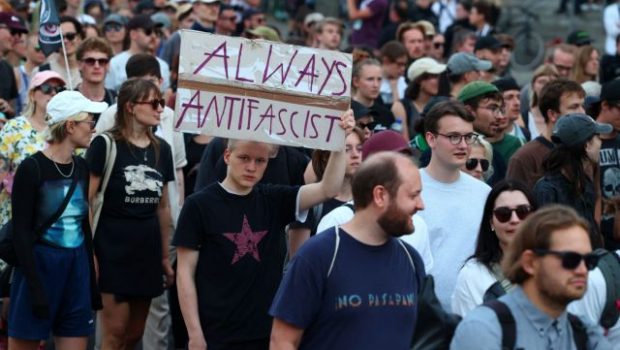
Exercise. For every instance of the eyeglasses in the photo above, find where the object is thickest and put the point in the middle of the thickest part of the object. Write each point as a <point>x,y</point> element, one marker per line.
<point>438,45</point>
<point>148,32</point>
<point>472,163</point>
<point>369,125</point>
<point>456,139</point>
<point>157,102</point>
<point>571,260</point>
<point>260,20</point>
<point>47,88</point>
<point>69,36</point>
<point>116,27</point>
<point>230,18</point>
<point>494,109</point>
<point>91,123</point>
<point>503,214</point>
<point>37,48</point>
<point>90,61</point>
<point>561,68</point>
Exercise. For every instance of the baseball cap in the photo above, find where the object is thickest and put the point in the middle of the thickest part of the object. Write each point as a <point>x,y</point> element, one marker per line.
<point>505,84</point>
<point>162,19</point>
<point>579,38</point>
<point>576,128</point>
<point>462,62</point>
<point>475,89</point>
<point>141,21</point>
<point>13,22</point>
<point>115,18</point>
<point>361,111</point>
<point>429,28</point>
<point>206,1</point>
<point>611,91</point>
<point>487,42</point>
<point>182,10</point>
<point>69,103</point>
<point>424,65</point>
<point>41,77</point>
<point>266,33</point>
<point>386,140</point>
<point>312,18</point>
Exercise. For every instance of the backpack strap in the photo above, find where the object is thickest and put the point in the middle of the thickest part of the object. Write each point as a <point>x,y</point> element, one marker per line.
<point>580,335</point>
<point>506,321</point>
<point>609,264</point>
<point>350,206</point>
<point>336,246</point>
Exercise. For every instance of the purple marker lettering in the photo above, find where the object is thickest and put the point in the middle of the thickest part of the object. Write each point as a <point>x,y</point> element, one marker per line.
<point>316,131</point>
<point>330,69</point>
<point>282,123</point>
<point>268,114</point>
<point>241,114</point>
<point>332,119</point>
<point>280,67</point>
<point>309,71</point>
<point>342,79</point>
<point>213,54</point>
<point>219,117</point>
<point>188,105</point>
<point>306,123</point>
<point>231,107</point>
<point>238,64</point>
<point>291,124</point>
<point>251,106</point>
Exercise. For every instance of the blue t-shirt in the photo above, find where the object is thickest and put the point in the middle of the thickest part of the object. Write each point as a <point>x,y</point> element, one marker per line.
<point>367,301</point>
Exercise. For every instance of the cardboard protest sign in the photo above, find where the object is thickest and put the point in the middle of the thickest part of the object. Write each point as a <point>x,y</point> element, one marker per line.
<point>261,90</point>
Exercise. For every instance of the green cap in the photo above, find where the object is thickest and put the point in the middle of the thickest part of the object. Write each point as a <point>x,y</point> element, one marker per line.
<point>475,89</point>
<point>266,33</point>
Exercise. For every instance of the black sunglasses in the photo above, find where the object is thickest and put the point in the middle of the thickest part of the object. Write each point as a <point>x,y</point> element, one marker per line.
<point>472,163</point>
<point>69,36</point>
<point>116,27</point>
<point>90,61</point>
<point>363,126</point>
<point>47,88</point>
<point>503,214</point>
<point>438,45</point>
<point>571,260</point>
<point>154,103</point>
<point>148,32</point>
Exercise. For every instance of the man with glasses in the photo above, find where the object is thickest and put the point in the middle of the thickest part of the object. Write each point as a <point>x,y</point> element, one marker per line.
<point>486,103</point>
<point>559,97</point>
<point>227,21</point>
<point>548,261</point>
<point>114,32</point>
<point>142,36</point>
<point>454,200</point>
<point>10,27</point>
<point>206,13</point>
<point>94,55</point>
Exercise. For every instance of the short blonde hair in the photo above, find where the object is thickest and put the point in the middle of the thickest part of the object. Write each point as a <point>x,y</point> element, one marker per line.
<point>57,132</point>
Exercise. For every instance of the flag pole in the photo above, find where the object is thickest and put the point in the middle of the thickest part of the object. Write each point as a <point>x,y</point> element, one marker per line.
<point>64,53</point>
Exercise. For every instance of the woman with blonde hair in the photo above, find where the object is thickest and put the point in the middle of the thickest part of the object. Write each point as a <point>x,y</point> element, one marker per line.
<point>25,135</point>
<point>479,161</point>
<point>535,122</point>
<point>131,237</point>
<point>54,288</point>
<point>587,65</point>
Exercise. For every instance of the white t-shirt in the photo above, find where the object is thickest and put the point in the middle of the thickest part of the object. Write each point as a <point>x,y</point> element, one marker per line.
<point>418,239</point>
<point>166,131</point>
<point>117,74</point>
<point>472,282</point>
<point>452,213</point>
<point>590,307</point>
<point>386,91</point>
<point>611,22</point>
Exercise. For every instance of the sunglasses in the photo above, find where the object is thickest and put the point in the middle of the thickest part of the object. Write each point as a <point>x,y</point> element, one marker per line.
<point>90,61</point>
<point>472,163</point>
<point>91,123</point>
<point>148,32</point>
<point>113,27</point>
<point>154,103</point>
<point>363,126</point>
<point>503,214</point>
<point>69,36</point>
<point>438,45</point>
<point>47,88</point>
<point>571,260</point>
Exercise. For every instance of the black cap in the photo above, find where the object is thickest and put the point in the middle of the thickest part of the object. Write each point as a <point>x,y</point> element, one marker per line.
<point>361,111</point>
<point>488,42</point>
<point>611,91</point>
<point>579,38</point>
<point>142,21</point>
<point>505,84</point>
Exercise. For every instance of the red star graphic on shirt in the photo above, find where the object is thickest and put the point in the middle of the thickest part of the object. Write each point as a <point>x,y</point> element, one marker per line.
<point>246,241</point>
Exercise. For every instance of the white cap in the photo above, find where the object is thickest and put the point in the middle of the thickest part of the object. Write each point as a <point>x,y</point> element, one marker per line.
<point>424,65</point>
<point>70,103</point>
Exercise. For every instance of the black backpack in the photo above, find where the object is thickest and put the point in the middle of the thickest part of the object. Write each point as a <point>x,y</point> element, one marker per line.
<point>609,264</point>
<point>509,326</point>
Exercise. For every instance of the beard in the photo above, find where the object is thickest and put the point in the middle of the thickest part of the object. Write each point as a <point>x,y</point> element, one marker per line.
<point>556,292</point>
<point>395,221</point>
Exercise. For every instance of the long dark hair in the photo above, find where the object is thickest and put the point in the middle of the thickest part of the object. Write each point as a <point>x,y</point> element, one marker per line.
<point>488,250</point>
<point>134,90</point>
<point>568,160</point>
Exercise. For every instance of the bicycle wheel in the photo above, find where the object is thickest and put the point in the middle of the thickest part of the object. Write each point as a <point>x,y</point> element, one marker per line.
<point>528,52</point>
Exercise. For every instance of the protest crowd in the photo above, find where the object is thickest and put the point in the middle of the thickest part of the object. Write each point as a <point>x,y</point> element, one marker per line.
<point>383,178</point>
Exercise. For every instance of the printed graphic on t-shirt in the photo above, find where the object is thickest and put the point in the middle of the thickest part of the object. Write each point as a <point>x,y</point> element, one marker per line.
<point>142,178</point>
<point>610,178</point>
<point>374,300</point>
<point>246,241</point>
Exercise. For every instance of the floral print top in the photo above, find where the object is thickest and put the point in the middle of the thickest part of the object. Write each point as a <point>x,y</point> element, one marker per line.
<point>18,141</point>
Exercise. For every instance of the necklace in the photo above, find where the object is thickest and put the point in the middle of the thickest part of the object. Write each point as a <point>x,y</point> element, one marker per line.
<point>61,173</point>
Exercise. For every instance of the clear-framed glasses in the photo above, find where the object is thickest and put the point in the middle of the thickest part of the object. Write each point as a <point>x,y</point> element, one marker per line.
<point>456,139</point>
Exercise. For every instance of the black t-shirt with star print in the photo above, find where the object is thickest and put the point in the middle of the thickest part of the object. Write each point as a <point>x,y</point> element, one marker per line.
<point>242,249</point>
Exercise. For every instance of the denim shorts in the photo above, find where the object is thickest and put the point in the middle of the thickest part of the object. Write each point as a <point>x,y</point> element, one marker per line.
<point>65,278</point>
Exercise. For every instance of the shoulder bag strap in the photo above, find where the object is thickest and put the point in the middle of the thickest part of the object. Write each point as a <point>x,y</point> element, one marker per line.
<point>580,335</point>
<point>49,222</point>
<point>331,266</point>
<point>506,321</point>
<point>609,264</point>
<point>109,160</point>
